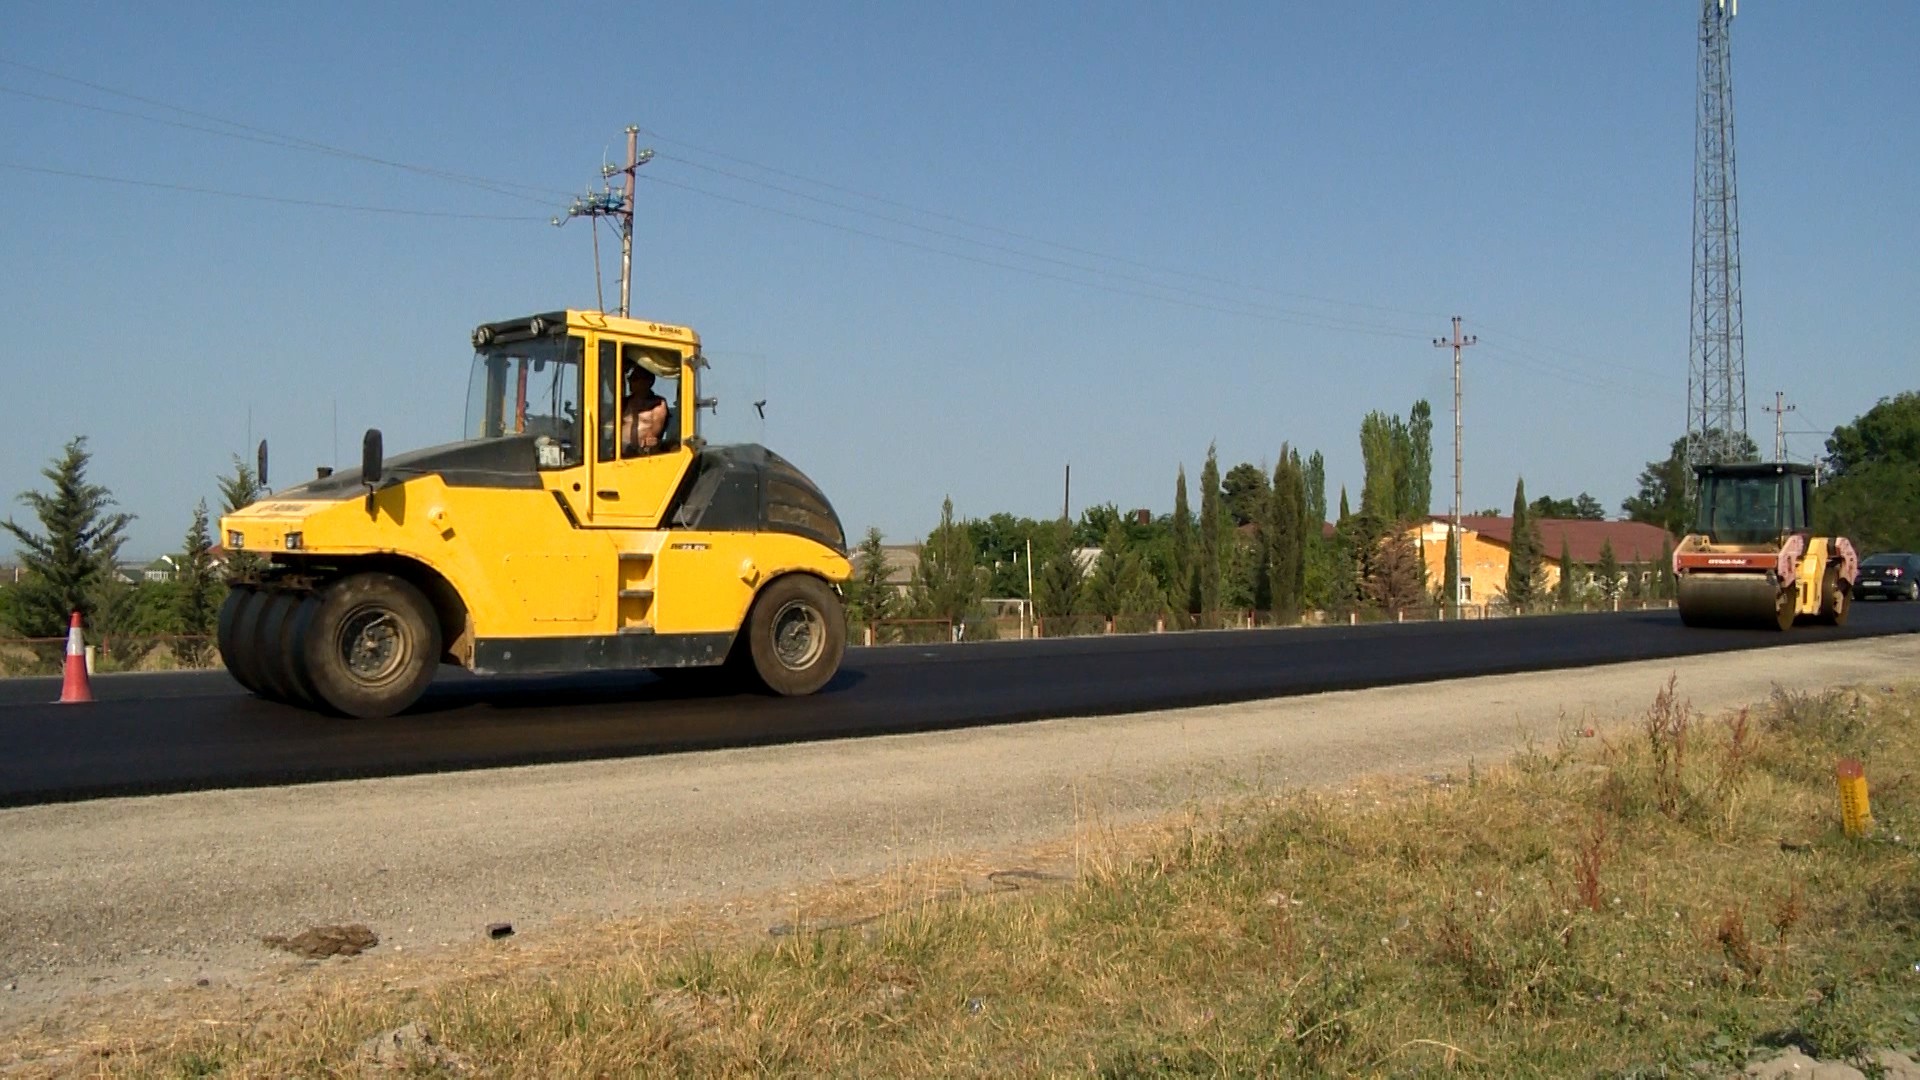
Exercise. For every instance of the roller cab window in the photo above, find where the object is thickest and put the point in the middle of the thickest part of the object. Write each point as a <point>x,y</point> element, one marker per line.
<point>530,390</point>
<point>639,400</point>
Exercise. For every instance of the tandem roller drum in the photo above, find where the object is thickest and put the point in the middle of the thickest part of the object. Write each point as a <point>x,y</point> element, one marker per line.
<point>1749,600</point>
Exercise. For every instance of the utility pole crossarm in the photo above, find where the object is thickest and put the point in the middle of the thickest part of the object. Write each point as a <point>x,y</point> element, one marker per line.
<point>1779,409</point>
<point>617,205</point>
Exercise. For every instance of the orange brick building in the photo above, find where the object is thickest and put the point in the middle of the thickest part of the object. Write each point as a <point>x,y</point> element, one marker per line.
<point>1487,542</point>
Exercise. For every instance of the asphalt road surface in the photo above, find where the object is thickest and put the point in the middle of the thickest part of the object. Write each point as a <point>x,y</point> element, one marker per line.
<point>179,732</point>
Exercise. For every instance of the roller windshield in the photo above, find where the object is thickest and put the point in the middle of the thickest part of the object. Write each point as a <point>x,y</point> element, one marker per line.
<point>1751,509</point>
<point>529,389</point>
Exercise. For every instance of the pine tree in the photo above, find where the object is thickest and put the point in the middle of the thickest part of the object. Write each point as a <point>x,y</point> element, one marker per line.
<point>1398,579</point>
<point>946,583</point>
<point>1060,584</point>
<point>1120,584</point>
<point>1565,591</point>
<point>1663,573</point>
<point>237,492</point>
<point>1213,534</point>
<point>1344,512</point>
<point>72,566</point>
<point>199,591</point>
<point>1608,572</point>
<point>1181,591</point>
<point>870,598</point>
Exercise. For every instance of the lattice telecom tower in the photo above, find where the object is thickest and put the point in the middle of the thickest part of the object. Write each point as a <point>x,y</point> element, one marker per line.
<point>1717,363</point>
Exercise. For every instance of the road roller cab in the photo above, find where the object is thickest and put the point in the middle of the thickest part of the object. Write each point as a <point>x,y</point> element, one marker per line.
<point>1752,558</point>
<point>582,523</point>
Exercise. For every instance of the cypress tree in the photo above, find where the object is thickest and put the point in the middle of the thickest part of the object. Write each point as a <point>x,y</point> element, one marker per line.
<point>1608,572</point>
<point>1182,589</point>
<point>1566,573</point>
<point>1212,535</point>
<point>1523,554</point>
<point>1450,574</point>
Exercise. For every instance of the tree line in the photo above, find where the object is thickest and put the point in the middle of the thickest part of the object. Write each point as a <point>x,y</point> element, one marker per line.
<point>1255,542</point>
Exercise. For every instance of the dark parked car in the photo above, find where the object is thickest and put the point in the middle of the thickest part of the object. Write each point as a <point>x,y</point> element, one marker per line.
<point>1891,574</point>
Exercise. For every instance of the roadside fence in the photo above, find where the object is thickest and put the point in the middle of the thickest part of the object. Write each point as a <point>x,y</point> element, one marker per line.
<point>22,657</point>
<point>1003,628</point>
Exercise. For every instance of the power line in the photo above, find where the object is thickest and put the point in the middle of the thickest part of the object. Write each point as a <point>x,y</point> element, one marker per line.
<point>1153,290</point>
<point>1006,249</point>
<point>292,142</point>
<point>1010,233</point>
<point>1244,309</point>
<point>398,211</point>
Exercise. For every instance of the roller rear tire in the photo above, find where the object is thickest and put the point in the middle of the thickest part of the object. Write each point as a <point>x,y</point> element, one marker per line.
<point>1836,600</point>
<point>369,645</point>
<point>239,639</point>
<point>796,635</point>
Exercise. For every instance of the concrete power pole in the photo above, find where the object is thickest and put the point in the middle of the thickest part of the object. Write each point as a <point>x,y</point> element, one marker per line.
<point>1779,409</point>
<point>1458,343</point>
<point>626,221</point>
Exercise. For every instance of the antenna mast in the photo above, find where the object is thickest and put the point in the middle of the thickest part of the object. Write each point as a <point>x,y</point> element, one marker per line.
<point>618,205</point>
<point>1717,364</point>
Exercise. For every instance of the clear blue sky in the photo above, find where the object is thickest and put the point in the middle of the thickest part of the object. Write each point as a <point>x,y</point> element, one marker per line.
<point>1231,223</point>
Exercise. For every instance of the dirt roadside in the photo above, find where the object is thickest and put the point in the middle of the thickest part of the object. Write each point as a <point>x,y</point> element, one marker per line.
<point>129,895</point>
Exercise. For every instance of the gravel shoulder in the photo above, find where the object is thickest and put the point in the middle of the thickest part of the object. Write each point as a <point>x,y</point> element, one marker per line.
<point>131,896</point>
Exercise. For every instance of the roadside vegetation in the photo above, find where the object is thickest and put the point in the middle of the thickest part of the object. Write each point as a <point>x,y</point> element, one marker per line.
<point>1673,896</point>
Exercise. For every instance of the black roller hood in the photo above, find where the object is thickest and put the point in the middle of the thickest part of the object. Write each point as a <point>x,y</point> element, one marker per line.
<point>750,488</point>
<point>509,462</point>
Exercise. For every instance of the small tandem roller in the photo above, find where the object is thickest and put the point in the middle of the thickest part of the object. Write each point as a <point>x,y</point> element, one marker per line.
<point>1752,559</point>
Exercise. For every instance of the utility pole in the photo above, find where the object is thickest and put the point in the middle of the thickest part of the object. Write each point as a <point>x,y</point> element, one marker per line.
<point>617,205</point>
<point>1779,409</point>
<point>1458,343</point>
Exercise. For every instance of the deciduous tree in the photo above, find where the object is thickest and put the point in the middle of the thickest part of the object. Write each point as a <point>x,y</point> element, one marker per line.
<point>1874,496</point>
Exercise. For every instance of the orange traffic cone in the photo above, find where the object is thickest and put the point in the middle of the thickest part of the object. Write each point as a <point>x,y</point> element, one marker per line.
<point>77,687</point>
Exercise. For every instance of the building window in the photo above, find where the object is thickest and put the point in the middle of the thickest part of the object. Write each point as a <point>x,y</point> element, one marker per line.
<point>1466,589</point>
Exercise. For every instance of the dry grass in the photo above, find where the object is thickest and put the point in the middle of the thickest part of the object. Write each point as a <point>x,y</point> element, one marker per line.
<point>1678,895</point>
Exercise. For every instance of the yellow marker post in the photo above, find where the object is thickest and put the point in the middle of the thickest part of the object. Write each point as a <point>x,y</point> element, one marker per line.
<point>1855,813</point>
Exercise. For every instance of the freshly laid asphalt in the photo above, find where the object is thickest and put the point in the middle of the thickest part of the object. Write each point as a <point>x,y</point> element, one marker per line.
<point>147,734</point>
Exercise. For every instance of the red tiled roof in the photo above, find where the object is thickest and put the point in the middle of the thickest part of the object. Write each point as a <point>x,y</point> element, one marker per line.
<point>1633,541</point>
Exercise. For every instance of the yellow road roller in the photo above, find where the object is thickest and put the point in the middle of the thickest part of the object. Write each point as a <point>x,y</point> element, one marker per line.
<point>582,523</point>
<point>1752,559</point>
